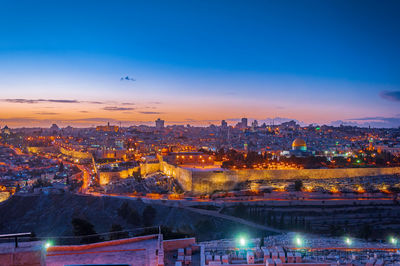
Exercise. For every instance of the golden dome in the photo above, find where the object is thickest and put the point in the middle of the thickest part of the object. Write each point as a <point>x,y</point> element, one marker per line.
<point>298,142</point>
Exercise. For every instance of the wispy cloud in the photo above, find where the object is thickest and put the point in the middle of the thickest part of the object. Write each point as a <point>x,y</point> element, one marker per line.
<point>115,108</point>
<point>128,103</point>
<point>94,102</point>
<point>34,101</point>
<point>34,122</point>
<point>127,78</point>
<point>150,113</point>
<point>31,101</point>
<point>47,113</point>
<point>393,96</point>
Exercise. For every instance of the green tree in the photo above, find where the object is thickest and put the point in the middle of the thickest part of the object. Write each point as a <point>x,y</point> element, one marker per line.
<point>117,232</point>
<point>282,221</point>
<point>240,210</point>
<point>85,229</point>
<point>149,213</point>
<point>298,185</point>
<point>61,167</point>
<point>129,214</point>
<point>365,231</point>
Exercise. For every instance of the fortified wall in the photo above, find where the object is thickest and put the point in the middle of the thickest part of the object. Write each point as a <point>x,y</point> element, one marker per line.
<point>44,149</point>
<point>184,176</point>
<point>106,176</point>
<point>208,181</point>
<point>76,154</point>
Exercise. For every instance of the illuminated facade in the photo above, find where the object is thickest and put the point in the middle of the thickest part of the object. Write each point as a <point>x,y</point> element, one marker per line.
<point>107,128</point>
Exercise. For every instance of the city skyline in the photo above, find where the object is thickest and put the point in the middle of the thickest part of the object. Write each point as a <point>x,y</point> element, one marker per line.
<point>199,63</point>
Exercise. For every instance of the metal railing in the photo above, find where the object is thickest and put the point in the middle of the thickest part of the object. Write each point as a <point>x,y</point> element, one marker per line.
<point>15,236</point>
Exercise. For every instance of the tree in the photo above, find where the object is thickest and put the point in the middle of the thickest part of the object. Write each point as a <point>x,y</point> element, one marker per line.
<point>129,214</point>
<point>85,229</point>
<point>204,226</point>
<point>240,210</point>
<point>117,232</point>
<point>365,231</point>
<point>298,185</point>
<point>149,213</point>
<point>133,217</point>
<point>61,167</point>
<point>282,221</point>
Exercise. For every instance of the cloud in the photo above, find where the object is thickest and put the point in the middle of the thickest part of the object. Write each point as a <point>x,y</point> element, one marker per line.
<point>393,96</point>
<point>85,112</point>
<point>94,102</point>
<point>115,108</point>
<point>39,101</point>
<point>127,78</point>
<point>128,103</point>
<point>150,113</point>
<point>34,101</point>
<point>47,113</point>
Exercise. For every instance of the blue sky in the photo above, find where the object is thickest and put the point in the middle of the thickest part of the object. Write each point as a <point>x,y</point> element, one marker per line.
<point>315,61</point>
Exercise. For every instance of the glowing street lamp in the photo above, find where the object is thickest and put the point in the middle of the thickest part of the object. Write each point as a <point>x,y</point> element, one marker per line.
<point>393,240</point>
<point>348,241</point>
<point>242,241</point>
<point>298,241</point>
<point>48,244</point>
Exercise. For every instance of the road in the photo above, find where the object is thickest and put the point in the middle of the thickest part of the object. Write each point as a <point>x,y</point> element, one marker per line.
<point>86,171</point>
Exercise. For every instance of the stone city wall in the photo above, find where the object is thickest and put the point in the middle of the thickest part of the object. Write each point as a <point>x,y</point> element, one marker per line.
<point>76,154</point>
<point>209,181</point>
<point>149,168</point>
<point>106,176</point>
<point>35,150</point>
<point>184,176</point>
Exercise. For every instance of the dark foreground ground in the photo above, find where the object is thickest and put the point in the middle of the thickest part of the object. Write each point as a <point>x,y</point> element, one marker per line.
<point>52,215</point>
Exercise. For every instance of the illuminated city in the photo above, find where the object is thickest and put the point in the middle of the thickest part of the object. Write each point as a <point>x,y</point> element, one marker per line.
<point>200,133</point>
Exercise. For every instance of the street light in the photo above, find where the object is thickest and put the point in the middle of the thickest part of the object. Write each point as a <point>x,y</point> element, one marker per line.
<point>242,241</point>
<point>348,241</point>
<point>393,240</point>
<point>298,241</point>
<point>48,244</point>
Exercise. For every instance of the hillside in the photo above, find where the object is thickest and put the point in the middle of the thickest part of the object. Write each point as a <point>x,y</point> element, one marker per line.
<point>51,215</point>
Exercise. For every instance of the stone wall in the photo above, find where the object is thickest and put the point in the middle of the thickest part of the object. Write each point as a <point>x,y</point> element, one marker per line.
<point>27,253</point>
<point>76,154</point>
<point>105,177</point>
<point>149,168</point>
<point>184,176</point>
<point>35,150</point>
<point>209,181</point>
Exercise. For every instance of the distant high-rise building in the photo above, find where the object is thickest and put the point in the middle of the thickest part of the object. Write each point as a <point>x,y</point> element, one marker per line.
<point>244,122</point>
<point>254,124</point>
<point>159,123</point>
<point>224,124</point>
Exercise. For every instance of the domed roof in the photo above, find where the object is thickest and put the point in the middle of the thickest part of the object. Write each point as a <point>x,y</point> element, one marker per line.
<point>298,142</point>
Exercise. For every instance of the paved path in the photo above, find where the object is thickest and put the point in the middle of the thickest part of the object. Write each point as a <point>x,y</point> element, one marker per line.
<point>233,219</point>
<point>209,213</point>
